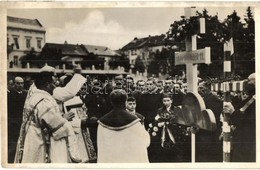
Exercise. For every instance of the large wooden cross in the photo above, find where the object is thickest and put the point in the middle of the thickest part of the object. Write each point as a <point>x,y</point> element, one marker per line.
<point>194,112</point>
<point>191,57</point>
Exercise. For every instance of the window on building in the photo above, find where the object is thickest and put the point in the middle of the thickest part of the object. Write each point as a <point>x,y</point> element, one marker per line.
<point>16,42</point>
<point>15,60</point>
<point>39,43</point>
<point>28,43</point>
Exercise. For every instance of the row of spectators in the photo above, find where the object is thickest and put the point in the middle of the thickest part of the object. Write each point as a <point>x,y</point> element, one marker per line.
<point>150,98</point>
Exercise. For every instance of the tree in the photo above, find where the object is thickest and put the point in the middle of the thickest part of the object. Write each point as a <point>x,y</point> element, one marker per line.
<point>163,62</point>
<point>139,65</point>
<point>217,33</point>
<point>153,66</point>
<point>247,48</point>
<point>122,61</point>
<point>51,56</point>
<point>33,58</point>
<point>244,42</point>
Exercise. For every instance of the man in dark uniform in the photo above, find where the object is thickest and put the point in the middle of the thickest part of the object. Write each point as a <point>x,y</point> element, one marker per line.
<point>16,98</point>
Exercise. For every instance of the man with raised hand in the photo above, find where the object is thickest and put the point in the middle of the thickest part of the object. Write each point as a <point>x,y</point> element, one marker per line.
<point>45,136</point>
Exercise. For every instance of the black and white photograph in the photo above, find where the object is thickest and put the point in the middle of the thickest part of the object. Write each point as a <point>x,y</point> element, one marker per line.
<point>129,84</point>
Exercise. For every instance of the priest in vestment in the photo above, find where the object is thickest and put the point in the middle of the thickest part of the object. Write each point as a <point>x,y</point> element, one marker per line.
<point>121,138</point>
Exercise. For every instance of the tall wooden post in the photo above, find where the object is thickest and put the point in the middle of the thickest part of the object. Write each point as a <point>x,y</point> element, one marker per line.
<point>226,120</point>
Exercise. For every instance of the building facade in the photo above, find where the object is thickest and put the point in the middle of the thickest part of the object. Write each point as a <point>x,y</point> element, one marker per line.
<point>23,35</point>
<point>144,47</point>
<point>103,54</point>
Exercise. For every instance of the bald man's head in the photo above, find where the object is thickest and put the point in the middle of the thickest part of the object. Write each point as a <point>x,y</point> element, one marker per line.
<point>18,83</point>
<point>251,78</point>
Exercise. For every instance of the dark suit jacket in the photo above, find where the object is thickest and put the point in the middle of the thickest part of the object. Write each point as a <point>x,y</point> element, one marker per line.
<point>15,112</point>
<point>244,136</point>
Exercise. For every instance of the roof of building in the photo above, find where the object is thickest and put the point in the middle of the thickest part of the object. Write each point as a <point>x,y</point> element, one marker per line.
<point>67,49</point>
<point>23,23</point>
<point>149,41</point>
<point>100,50</point>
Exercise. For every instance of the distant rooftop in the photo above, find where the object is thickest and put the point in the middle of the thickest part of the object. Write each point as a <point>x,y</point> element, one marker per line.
<point>67,49</point>
<point>146,41</point>
<point>80,50</point>
<point>23,23</point>
<point>100,50</point>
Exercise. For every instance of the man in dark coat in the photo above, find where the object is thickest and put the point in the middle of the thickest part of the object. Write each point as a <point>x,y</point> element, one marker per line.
<point>16,98</point>
<point>98,104</point>
<point>150,102</point>
<point>139,90</point>
<point>177,95</point>
<point>244,135</point>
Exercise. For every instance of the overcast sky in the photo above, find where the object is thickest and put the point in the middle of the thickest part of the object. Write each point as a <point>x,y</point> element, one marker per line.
<point>111,27</point>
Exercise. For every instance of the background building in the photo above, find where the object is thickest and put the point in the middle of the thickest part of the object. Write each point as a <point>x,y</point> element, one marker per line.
<point>63,55</point>
<point>143,47</point>
<point>103,56</point>
<point>23,35</point>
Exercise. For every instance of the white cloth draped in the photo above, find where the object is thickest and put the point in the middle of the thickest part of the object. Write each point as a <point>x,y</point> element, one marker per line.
<point>123,146</point>
<point>47,110</point>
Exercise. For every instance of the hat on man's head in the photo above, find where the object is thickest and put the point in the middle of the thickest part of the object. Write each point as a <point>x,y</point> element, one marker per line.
<point>47,68</point>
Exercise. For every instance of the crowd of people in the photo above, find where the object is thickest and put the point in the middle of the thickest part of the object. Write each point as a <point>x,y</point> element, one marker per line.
<point>125,121</point>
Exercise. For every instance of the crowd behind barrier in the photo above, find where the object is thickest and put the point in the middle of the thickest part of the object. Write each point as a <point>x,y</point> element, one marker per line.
<point>152,101</point>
